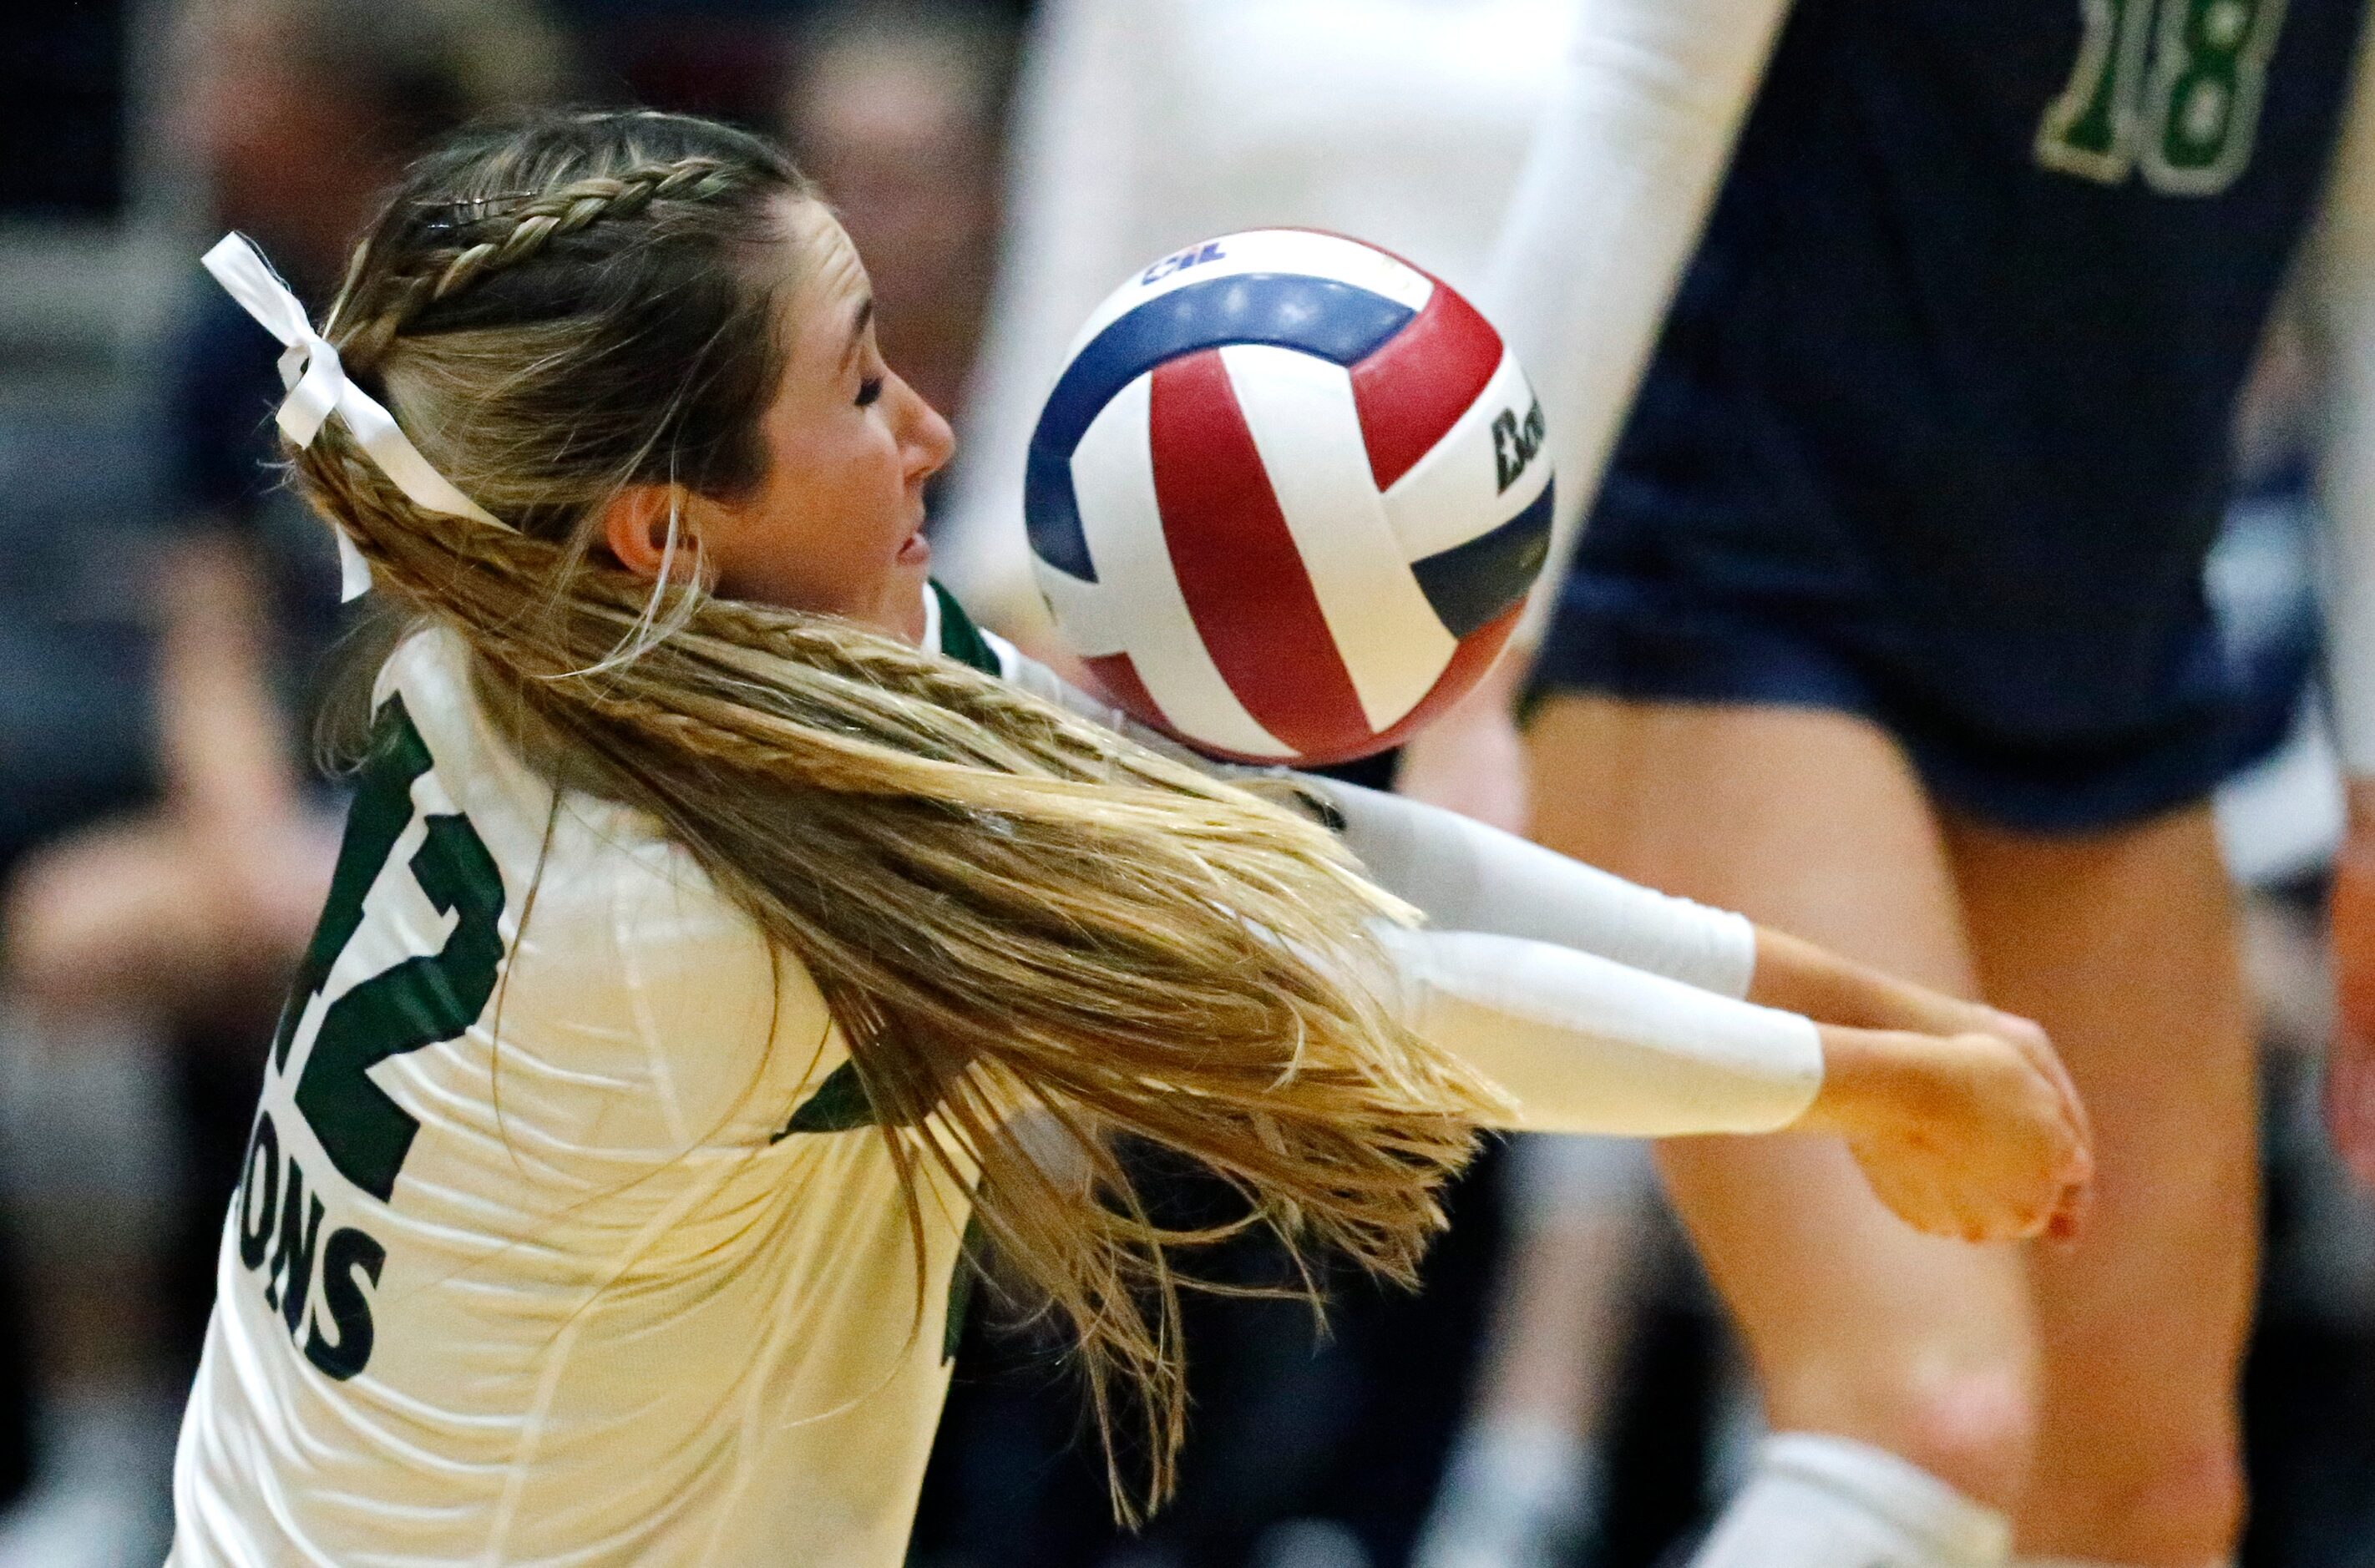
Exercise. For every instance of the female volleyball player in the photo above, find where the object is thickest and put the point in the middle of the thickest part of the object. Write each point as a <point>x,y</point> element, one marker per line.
<point>1889,626</point>
<point>724,931</point>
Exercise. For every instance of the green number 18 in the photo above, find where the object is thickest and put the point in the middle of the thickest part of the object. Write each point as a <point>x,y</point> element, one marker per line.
<point>2170,87</point>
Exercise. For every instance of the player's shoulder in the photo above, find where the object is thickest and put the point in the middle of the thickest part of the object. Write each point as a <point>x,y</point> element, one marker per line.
<point>620,943</point>
<point>603,869</point>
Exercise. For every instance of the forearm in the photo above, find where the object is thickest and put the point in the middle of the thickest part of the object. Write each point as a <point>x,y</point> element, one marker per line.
<point>1798,976</point>
<point>225,744</point>
<point>1709,1033</point>
<point>1464,876</point>
<point>1582,1044</point>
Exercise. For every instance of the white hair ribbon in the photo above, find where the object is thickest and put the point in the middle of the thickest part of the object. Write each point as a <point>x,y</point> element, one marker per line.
<point>318,387</point>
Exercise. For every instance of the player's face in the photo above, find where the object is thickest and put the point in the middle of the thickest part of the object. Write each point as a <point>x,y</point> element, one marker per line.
<point>836,525</point>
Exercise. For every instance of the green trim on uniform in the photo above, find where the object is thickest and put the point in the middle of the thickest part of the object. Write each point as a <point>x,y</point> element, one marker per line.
<point>960,639</point>
<point>839,1105</point>
<point>961,1287</point>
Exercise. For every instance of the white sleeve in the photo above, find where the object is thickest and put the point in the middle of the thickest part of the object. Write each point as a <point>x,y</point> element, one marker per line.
<point>1608,209</point>
<point>1072,203</point>
<point>1467,877</point>
<point>1583,1044</point>
<point>2341,299</point>
<point>1597,1006</point>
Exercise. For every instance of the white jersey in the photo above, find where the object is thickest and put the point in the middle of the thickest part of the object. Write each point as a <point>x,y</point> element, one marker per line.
<point>575,1295</point>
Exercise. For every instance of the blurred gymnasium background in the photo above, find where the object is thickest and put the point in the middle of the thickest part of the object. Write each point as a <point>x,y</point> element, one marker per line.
<point>167,619</point>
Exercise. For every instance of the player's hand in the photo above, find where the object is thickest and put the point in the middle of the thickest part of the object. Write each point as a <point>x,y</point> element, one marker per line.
<point>1471,760</point>
<point>1974,1136</point>
<point>2350,1058</point>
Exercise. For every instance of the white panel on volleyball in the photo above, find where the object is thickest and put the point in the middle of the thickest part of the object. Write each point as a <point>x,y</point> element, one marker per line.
<point>1453,494</point>
<point>1113,477</point>
<point>1301,251</point>
<point>1308,429</point>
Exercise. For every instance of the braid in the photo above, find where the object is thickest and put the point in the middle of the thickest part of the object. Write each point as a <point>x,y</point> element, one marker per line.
<point>719,697</point>
<point>572,207</point>
<point>539,219</point>
<point>854,722</point>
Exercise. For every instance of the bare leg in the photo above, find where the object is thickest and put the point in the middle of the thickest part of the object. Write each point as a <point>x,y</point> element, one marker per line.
<point>1811,822</point>
<point>1569,1274</point>
<point>2124,947</point>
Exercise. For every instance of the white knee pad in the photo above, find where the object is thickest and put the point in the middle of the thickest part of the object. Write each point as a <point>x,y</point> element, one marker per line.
<point>1815,1501</point>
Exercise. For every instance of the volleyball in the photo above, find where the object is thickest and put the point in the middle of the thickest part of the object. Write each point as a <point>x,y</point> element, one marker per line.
<point>1287,496</point>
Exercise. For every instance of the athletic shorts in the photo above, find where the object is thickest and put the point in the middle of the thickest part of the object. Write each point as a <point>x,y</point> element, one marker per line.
<point>1670,637</point>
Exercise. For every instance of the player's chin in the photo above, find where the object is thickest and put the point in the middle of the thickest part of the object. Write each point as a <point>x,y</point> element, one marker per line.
<point>901,601</point>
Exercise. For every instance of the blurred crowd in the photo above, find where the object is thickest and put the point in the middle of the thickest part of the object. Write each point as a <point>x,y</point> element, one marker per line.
<point>170,638</point>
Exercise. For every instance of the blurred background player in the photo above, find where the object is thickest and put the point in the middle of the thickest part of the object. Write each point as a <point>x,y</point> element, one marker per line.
<point>169,932</point>
<point>1900,559</point>
<point>896,109</point>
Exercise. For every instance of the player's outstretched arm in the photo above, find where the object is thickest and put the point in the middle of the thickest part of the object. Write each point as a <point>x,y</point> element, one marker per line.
<point>1467,876</point>
<point>1969,1135</point>
<point>1598,1005</point>
<point>1963,1116</point>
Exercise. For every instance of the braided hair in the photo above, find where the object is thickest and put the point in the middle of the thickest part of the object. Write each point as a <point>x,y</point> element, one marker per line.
<point>1003,905</point>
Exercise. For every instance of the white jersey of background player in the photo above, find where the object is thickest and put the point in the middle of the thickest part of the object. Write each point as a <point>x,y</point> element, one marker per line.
<point>565,1236</point>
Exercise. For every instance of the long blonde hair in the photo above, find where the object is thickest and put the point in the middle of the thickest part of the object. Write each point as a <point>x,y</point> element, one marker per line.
<point>1005,907</point>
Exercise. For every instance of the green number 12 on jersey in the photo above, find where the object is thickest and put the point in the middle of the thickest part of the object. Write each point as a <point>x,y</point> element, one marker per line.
<point>420,1001</point>
<point>2169,87</point>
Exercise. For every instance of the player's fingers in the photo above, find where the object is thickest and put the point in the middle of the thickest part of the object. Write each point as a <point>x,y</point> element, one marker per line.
<point>2039,1048</point>
<point>2070,1215</point>
<point>2014,1027</point>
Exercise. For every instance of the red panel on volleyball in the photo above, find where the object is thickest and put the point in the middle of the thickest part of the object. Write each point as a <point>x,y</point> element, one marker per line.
<point>1238,567</point>
<point>1418,382</point>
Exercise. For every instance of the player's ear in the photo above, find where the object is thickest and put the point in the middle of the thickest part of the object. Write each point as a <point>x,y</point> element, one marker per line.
<point>636,523</point>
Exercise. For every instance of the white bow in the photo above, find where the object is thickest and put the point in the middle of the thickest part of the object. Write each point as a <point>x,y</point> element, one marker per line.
<point>318,387</point>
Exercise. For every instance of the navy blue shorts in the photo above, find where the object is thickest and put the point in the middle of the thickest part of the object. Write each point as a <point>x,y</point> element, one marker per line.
<point>1671,639</point>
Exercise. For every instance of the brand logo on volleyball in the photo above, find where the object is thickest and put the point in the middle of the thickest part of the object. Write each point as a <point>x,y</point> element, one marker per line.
<point>1280,499</point>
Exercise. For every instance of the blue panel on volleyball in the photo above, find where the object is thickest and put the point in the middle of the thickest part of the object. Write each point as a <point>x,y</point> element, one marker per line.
<point>1318,316</point>
<point>1471,583</point>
